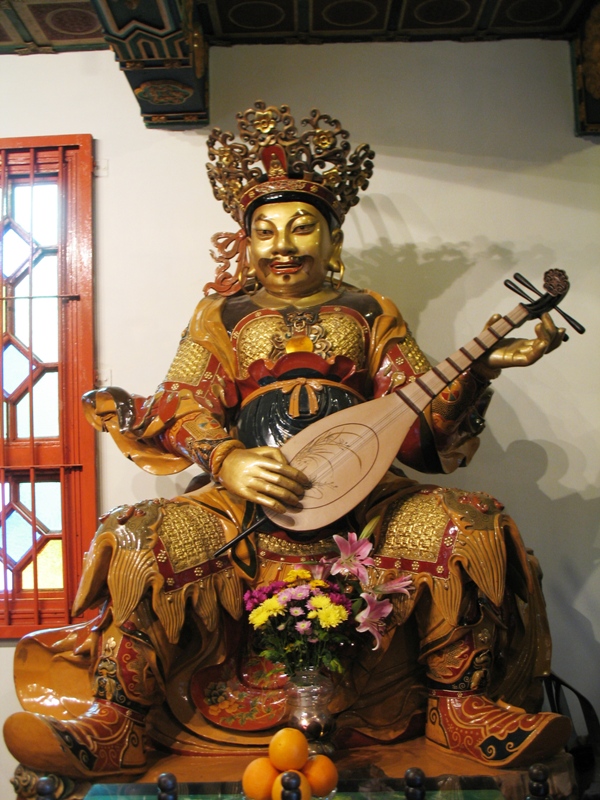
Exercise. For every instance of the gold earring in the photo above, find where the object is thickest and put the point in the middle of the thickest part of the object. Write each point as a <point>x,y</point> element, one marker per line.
<point>339,267</point>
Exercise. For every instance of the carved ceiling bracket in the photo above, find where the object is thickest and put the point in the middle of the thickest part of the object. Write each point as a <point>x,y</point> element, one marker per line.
<point>160,47</point>
<point>586,56</point>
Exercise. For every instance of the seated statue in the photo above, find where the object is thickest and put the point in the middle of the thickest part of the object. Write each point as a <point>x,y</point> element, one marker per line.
<point>280,342</point>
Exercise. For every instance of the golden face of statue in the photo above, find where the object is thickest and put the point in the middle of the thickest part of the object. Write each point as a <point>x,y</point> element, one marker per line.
<point>291,247</point>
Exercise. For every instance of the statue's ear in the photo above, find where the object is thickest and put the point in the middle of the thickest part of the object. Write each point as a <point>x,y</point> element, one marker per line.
<point>247,258</point>
<point>337,239</point>
<point>336,265</point>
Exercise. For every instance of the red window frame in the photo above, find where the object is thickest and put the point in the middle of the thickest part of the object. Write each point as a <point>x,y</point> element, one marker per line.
<point>71,457</point>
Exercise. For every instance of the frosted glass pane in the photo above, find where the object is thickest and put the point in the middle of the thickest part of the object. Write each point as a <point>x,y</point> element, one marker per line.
<point>45,409</point>
<point>49,568</point>
<point>18,536</point>
<point>15,252</point>
<point>15,368</point>
<point>37,211</point>
<point>48,503</point>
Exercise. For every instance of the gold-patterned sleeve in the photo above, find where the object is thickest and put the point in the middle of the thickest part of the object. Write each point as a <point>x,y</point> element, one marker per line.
<point>185,421</point>
<point>189,411</point>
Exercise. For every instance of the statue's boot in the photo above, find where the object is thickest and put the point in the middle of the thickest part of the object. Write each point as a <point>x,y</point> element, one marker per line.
<point>471,725</point>
<point>461,718</point>
<point>109,738</point>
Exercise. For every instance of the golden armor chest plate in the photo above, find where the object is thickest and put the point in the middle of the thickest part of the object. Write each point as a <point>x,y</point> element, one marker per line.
<point>329,332</point>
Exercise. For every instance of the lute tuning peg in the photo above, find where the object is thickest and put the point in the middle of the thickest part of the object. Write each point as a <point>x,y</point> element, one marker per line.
<point>548,284</point>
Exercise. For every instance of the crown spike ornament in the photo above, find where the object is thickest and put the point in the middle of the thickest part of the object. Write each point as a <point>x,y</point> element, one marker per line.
<point>274,158</point>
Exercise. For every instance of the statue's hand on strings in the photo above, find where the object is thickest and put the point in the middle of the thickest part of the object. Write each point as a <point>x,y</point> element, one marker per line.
<point>263,475</point>
<point>523,352</point>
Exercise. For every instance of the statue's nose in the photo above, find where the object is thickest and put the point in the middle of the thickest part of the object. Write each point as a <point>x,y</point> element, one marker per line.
<point>283,244</point>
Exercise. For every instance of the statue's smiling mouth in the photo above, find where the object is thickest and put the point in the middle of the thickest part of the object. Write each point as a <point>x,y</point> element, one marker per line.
<point>287,267</point>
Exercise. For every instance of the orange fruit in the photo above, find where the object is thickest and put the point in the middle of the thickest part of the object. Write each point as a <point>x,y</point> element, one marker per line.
<point>288,749</point>
<point>322,775</point>
<point>304,787</point>
<point>258,779</point>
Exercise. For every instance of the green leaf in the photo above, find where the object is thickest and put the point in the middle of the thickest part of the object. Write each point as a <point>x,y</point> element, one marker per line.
<point>367,531</point>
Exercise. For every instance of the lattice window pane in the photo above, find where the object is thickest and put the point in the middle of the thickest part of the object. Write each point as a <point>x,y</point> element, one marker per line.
<point>15,252</point>
<point>42,286</point>
<point>19,536</point>
<point>45,409</point>
<point>45,329</point>
<point>49,568</point>
<point>45,277</point>
<point>48,503</point>
<point>35,209</point>
<point>15,368</point>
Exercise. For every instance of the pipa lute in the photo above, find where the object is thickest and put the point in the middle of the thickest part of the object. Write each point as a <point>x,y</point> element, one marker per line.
<point>345,455</point>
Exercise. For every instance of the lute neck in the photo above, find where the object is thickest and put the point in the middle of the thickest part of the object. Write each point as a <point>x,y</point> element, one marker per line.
<point>425,387</point>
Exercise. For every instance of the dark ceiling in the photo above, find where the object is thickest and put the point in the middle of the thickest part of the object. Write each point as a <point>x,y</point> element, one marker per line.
<point>162,45</point>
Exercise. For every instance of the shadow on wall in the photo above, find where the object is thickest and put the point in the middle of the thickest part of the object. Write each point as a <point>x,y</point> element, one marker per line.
<point>415,275</point>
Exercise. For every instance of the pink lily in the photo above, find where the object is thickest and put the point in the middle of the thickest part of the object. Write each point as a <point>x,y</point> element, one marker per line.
<point>354,557</point>
<point>401,585</point>
<point>321,570</point>
<point>371,618</point>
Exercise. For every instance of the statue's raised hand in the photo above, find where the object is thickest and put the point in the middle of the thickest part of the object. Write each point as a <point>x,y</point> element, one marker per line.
<point>523,352</point>
<point>263,475</point>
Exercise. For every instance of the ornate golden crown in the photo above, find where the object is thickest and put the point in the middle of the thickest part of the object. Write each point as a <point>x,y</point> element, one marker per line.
<point>277,159</point>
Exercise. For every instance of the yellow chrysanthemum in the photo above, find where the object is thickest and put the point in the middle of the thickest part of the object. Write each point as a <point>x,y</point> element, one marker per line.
<point>258,617</point>
<point>298,574</point>
<point>332,616</point>
<point>320,601</point>
<point>317,584</point>
<point>271,607</point>
<point>312,614</point>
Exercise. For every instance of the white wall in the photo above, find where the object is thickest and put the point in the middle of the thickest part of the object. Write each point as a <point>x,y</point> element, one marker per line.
<point>478,175</point>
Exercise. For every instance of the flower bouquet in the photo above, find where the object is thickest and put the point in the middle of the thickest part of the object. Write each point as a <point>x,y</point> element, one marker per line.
<point>311,617</point>
<point>302,622</point>
<point>306,621</point>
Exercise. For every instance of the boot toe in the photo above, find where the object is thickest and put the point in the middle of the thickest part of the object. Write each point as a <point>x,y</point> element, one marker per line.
<point>33,742</point>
